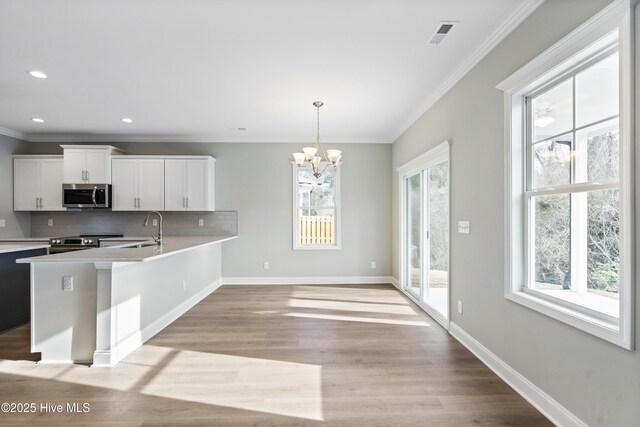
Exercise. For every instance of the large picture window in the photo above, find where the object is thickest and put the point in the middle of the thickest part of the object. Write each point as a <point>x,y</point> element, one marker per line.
<point>316,205</point>
<point>569,187</point>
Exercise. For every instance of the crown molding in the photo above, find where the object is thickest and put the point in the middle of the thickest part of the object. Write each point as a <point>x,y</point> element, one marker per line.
<point>77,138</point>
<point>519,14</point>
<point>13,134</point>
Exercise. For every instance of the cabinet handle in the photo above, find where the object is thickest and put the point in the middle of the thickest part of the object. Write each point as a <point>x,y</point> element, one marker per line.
<point>184,202</point>
<point>138,201</point>
<point>40,201</point>
<point>37,202</point>
<point>88,178</point>
<point>187,203</point>
<point>83,176</point>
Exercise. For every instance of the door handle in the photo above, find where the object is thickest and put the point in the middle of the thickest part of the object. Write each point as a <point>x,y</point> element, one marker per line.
<point>93,196</point>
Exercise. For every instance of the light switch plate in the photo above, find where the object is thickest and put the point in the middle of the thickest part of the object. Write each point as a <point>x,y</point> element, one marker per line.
<point>265,265</point>
<point>459,306</point>
<point>373,264</point>
<point>201,222</point>
<point>50,222</point>
<point>3,223</point>
<point>464,227</point>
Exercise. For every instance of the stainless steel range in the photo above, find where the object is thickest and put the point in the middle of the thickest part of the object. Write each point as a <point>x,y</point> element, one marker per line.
<point>77,243</point>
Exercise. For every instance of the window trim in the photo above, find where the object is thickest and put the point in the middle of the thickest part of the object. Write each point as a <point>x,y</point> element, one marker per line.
<point>584,42</point>
<point>296,224</point>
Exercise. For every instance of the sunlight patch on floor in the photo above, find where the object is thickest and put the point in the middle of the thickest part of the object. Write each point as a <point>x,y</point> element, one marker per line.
<point>275,387</point>
<point>358,319</point>
<point>262,385</point>
<point>356,306</point>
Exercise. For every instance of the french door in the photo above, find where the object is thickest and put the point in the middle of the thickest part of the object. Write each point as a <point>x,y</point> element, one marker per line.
<point>425,190</point>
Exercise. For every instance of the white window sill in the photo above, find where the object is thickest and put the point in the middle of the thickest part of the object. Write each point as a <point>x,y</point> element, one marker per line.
<point>594,325</point>
<point>316,248</point>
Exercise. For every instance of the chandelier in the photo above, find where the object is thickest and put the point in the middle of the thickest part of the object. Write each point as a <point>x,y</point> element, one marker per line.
<point>310,157</point>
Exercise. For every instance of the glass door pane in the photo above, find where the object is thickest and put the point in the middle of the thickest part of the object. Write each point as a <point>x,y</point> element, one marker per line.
<point>414,233</point>
<point>436,292</point>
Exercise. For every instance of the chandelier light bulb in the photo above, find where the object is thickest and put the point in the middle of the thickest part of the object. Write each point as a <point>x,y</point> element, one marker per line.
<point>310,152</point>
<point>299,158</point>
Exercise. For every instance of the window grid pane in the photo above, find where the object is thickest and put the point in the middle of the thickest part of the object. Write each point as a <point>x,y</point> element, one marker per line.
<point>573,250</point>
<point>316,208</point>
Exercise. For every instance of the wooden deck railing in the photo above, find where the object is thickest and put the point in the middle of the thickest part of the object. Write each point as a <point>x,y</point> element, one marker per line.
<point>317,230</point>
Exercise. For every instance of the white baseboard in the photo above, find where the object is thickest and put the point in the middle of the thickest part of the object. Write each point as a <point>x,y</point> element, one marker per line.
<point>395,282</point>
<point>62,362</point>
<point>550,408</point>
<point>127,345</point>
<point>309,280</point>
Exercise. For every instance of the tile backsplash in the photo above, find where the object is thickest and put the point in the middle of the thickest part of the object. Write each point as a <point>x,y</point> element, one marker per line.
<point>70,223</point>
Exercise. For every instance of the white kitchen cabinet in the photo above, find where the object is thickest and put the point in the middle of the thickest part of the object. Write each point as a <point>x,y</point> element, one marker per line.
<point>138,183</point>
<point>37,183</point>
<point>189,183</point>
<point>88,164</point>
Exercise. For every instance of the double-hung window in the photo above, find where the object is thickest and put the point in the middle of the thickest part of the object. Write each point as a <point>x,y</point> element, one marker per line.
<point>569,181</point>
<point>316,208</point>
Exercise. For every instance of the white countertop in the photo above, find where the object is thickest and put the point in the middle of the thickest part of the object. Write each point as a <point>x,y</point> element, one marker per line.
<point>24,239</point>
<point>19,247</point>
<point>171,246</point>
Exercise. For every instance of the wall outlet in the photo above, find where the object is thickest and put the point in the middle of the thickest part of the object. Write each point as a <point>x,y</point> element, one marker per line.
<point>373,264</point>
<point>265,265</point>
<point>459,306</point>
<point>464,227</point>
<point>67,283</point>
<point>201,222</point>
<point>3,223</point>
<point>184,285</point>
<point>50,222</point>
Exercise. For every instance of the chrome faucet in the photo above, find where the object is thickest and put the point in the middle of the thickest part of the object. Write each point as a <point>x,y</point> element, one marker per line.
<point>158,238</point>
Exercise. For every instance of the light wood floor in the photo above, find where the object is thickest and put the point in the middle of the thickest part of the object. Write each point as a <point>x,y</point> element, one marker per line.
<point>276,355</point>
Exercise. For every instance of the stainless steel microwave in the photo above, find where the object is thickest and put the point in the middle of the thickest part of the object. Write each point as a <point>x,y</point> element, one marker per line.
<point>86,196</point>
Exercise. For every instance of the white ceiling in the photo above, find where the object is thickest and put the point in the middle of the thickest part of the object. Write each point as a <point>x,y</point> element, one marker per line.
<point>188,70</point>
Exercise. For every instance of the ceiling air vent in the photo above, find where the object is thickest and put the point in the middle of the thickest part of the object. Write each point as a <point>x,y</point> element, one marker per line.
<point>441,32</point>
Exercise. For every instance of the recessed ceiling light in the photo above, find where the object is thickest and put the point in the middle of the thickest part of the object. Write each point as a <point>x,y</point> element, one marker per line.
<point>37,120</point>
<point>38,74</point>
<point>126,120</point>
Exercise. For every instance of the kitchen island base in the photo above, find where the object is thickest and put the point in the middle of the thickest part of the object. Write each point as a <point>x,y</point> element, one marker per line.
<point>115,307</point>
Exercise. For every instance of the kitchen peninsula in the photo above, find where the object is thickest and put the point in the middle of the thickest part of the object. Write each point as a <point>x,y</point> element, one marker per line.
<point>98,305</point>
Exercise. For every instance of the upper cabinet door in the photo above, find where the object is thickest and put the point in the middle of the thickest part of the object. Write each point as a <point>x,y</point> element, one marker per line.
<point>197,185</point>
<point>74,166</point>
<point>26,191</point>
<point>124,190</point>
<point>98,166</point>
<point>174,185</point>
<point>151,184</point>
<point>51,176</point>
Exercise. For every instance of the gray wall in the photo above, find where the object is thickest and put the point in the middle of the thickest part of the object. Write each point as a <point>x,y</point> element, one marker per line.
<point>17,223</point>
<point>599,382</point>
<point>255,181</point>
